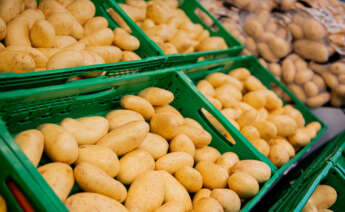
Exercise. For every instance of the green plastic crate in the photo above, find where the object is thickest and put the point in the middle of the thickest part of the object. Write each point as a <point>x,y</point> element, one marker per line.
<point>189,7</point>
<point>198,73</point>
<point>26,109</point>
<point>151,54</point>
<point>322,170</point>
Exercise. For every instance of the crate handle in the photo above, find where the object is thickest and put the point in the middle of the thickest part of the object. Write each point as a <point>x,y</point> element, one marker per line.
<point>19,196</point>
<point>97,94</point>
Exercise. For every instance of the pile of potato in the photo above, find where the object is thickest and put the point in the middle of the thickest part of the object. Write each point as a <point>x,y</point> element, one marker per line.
<point>148,146</point>
<point>322,198</point>
<point>314,34</point>
<point>277,131</point>
<point>59,34</point>
<point>170,28</point>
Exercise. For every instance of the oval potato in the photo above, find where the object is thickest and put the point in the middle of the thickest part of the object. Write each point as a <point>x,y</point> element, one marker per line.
<point>155,144</point>
<point>243,184</point>
<point>138,104</point>
<point>190,178</point>
<point>207,204</point>
<point>157,96</point>
<point>227,160</point>
<point>173,161</point>
<point>213,176</point>
<point>117,118</point>
<point>257,169</point>
<point>206,153</point>
<point>229,200</point>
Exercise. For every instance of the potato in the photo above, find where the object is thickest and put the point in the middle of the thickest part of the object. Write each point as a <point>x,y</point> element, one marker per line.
<point>310,207</point>
<point>217,79</point>
<point>313,30</point>
<point>324,196</point>
<point>65,59</point>
<point>93,179</point>
<point>32,144</point>
<point>300,138</point>
<point>200,137</point>
<point>66,24</point>
<point>49,7</point>
<point>318,100</point>
<point>18,33</point>
<point>247,117</point>
<point>48,52</point>
<point>42,34</point>
<point>110,54</point>
<point>146,193</point>
<point>129,56</point>
<point>124,40</point>
<point>283,141</point>
<point>126,137</point>
<point>91,58</point>
<point>120,117</point>
<point>102,157</point>
<point>95,24</point>
<point>261,145</point>
<point>157,96</point>
<point>285,125</point>
<point>133,164</point>
<point>63,41</point>
<point>231,113</point>
<point>172,206</point>
<point>256,99</point>
<point>206,88</point>
<point>227,160</point>
<point>158,13</point>
<point>204,192</point>
<point>182,143</point>
<point>86,130</point>
<point>229,200</point>
<point>295,114</point>
<point>219,104</point>
<point>250,132</point>
<point>228,89</point>
<point>59,177</point>
<point>190,178</point>
<point>173,161</point>
<point>3,207</point>
<point>168,48</point>
<point>165,124</point>
<point>212,43</point>
<point>257,169</point>
<point>170,109</point>
<point>59,144</point>
<point>243,184</point>
<point>87,201</point>
<point>9,9</point>
<point>207,204</point>
<point>174,191</point>
<point>240,73</point>
<point>139,105</point>
<point>103,37</point>
<point>253,84</point>
<point>311,50</point>
<point>279,155</point>
<point>135,13</point>
<point>155,144</point>
<point>40,59</point>
<point>82,10</point>
<point>267,129</point>
<point>214,176</point>
<point>182,42</point>
<point>206,153</point>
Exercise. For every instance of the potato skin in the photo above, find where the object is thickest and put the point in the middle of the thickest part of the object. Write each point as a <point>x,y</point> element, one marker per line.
<point>229,200</point>
<point>17,62</point>
<point>257,169</point>
<point>102,157</point>
<point>243,184</point>
<point>125,138</point>
<point>87,201</point>
<point>324,196</point>
<point>139,105</point>
<point>146,193</point>
<point>165,124</point>
<point>190,178</point>
<point>155,144</point>
<point>157,96</point>
<point>60,178</point>
<point>173,161</point>
<point>213,176</point>
<point>207,204</point>
<point>206,153</point>
<point>93,179</point>
<point>32,144</point>
<point>133,164</point>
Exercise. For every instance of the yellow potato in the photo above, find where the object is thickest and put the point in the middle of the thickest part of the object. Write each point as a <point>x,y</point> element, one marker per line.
<point>157,96</point>
<point>240,73</point>
<point>256,99</point>
<point>139,105</point>
<point>229,200</point>
<point>182,143</point>
<point>94,24</point>
<point>283,141</point>
<point>200,137</point>
<point>168,109</point>
<point>243,184</point>
<point>93,179</point>
<point>279,155</point>
<point>124,40</point>
<point>103,37</point>
<point>219,104</point>
<point>206,153</point>
<point>295,114</point>
<point>267,129</point>
<point>286,126</point>
<point>146,193</point>
<point>102,157</point>
<point>64,41</point>
<point>65,59</point>
<point>228,89</point>
<point>86,130</point>
<point>204,192</point>
<point>42,34</point>
<point>190,178</point>
<point>59,144</point>
<point>257,169</point>
<point>82,10</point>
<point>65,24</point>
<point>10,9</point>
<point>135,13</point>
<point>250,132</point>
<point>214,176</point>
<point>174,191</point>
<point>300,138</point>
<point>3,207</point>
<point>110,54</point>
<point>59,177</point>
<point>165,33</point>
<point>324,196</point>
<point>206,88</point>
<point>247,117</point>
<point>261,145</point>
<point>133,164</point>
<point>192,123</point>
<point>317,101</point>
<point>172,206</point>
<point>227,160</point>
<point>310,207</point>
<point>207,204</point>
<point>117,118</point>
<point>165,124</point>
<point>168,48</point>
<point>312,50</point>
<point>40,59</point>
<point>182,42</point>
<point>15,61</point>
<point>253,84</point>
<point>158,13</point>
<point>212,43</point>
<point>32,144</point>
<point>155,144</point>
<point>173,161</point>
<point>49,7</point>
<point>273,102</point>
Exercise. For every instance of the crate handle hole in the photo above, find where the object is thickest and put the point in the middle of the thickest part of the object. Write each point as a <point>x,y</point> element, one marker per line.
<point>19,196</point>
